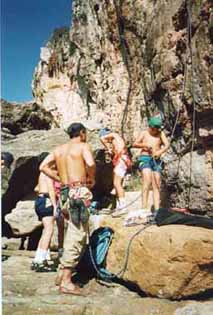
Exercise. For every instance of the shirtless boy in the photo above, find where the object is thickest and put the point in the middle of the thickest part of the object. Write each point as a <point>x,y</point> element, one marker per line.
<point>45,207</point>
<point>76,172</point>
<point>116,146</point>
<point>153,143</point>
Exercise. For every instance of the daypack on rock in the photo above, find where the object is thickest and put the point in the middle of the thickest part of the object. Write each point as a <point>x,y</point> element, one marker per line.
<point>95,254</point>
<point>167,216</point>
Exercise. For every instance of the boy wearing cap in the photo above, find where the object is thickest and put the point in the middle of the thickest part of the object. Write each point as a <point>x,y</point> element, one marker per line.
<point>116,146</point>
<point>153,143</point>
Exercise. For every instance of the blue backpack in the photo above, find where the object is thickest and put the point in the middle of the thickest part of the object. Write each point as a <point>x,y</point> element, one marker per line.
<point>96,252</point>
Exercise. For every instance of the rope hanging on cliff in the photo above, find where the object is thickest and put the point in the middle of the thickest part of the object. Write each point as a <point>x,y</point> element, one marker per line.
<point>188,49</point>
<point>189,27</point>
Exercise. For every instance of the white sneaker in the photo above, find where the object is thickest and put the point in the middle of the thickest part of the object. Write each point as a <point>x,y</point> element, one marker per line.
<point>143,213</point>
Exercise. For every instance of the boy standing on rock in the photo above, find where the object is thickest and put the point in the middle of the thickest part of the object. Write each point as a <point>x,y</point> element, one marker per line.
<point>45,207</point>
<point>116,146</point>
<point>153,143</point>
<point>76,172</point>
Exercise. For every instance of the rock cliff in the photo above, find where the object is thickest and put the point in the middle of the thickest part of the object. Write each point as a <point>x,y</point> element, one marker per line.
<point>123,61</point>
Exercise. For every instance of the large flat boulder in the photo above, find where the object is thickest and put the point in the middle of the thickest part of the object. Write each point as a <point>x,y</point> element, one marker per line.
<point>23,219</point>
<point>170,261</point>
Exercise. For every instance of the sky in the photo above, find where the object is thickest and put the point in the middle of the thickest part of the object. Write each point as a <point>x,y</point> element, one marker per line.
<point>26,25</point>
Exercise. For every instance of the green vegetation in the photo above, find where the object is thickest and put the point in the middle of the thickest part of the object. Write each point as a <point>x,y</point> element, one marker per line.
<point>59,35</point>
<point>73,48</point>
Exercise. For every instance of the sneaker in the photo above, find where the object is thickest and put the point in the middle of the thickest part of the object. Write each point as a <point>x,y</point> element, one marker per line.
<point>33,265</point>
<point>143,213</point>
<point>60,252</point>
<point>43,267</point>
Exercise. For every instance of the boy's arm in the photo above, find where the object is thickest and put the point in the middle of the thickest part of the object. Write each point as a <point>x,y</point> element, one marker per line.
<point>165,143</point>
<point>51,191</point>
<point>90,164</point>
<point>45,167</point>
<point>106,141</point>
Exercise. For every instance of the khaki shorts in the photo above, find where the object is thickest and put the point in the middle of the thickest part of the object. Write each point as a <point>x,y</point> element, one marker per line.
<point>76,236</point>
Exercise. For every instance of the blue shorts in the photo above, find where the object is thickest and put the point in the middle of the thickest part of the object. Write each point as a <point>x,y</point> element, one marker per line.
<point>43,207</point>
<point>146,161</point>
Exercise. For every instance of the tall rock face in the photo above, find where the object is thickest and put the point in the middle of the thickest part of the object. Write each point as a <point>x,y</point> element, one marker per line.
<point>126,60</point>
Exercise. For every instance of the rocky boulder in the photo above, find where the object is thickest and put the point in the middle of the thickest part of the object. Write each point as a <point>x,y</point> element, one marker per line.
<point>23,219</point>
<point>18,118</point>
<point>193,187</point>
<point>168,262</point>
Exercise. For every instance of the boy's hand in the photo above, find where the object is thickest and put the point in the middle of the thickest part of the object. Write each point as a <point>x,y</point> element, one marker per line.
<point>91,183</point>
<point>156,154</point>
<point>109,151</point>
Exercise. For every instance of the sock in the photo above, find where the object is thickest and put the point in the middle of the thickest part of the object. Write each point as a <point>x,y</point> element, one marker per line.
<point>48,255</point>
<point>121,202</point>
<point>40,255</point>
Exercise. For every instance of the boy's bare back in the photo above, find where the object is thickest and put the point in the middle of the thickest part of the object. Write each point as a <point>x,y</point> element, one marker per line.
<point>70,161</point>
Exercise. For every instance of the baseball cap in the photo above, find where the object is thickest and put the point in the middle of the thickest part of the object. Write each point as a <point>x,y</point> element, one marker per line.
<point>155,122</point>
<point>104,131</point>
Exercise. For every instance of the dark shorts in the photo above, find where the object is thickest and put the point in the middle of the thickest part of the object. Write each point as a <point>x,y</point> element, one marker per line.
<point>146,161</point>
<point>43,207</point>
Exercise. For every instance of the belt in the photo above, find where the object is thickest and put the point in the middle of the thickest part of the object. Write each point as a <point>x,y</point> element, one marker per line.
<point>44,195</point>
<point>75,184</point>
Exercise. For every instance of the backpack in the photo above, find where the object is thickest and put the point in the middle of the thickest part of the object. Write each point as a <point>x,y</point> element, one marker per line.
<point>95,254</point>
<point>167,216</point>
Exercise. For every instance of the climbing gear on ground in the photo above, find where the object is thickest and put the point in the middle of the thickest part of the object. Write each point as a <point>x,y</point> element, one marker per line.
<point>167,216</point>
<point>106,275</point>
<point>137,217</point>
<point>95,254</point>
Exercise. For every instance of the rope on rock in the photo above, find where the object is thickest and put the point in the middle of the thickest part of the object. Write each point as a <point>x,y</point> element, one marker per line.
<point>189,27</point>
<point>121,272</point>
<point>188,50</point>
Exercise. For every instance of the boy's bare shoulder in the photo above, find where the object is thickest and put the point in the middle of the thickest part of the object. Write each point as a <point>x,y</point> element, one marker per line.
<point>144,133</point>
<point>86,146</point>
<point>60,149</point>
